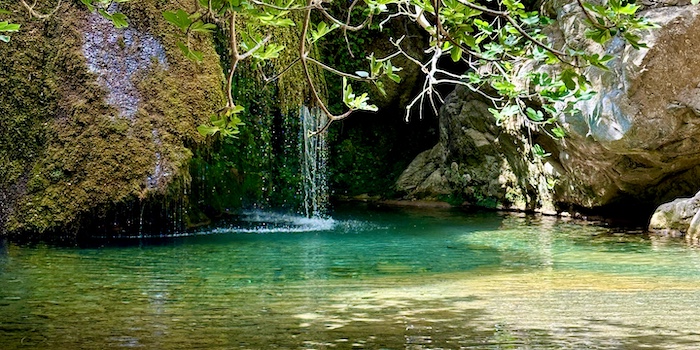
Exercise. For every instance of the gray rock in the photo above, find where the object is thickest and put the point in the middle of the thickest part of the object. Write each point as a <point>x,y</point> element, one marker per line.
<point>637,137</point>
<point>678,217</point>
<point>477,161</point>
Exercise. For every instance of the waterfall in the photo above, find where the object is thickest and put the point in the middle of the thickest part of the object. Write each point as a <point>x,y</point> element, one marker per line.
<point>314,156</point>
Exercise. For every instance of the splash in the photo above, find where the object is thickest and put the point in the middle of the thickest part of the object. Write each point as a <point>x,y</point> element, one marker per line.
<point>268,222</point>
<point>314,157</point>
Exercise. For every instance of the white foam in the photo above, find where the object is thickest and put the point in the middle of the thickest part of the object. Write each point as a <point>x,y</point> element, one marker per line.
<point>270,222</point>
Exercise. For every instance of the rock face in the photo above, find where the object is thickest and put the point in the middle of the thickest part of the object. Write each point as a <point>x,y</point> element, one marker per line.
<point>477,161</point>
<point>637,138</point>
<point>98,122</point>
<point>634,142</point>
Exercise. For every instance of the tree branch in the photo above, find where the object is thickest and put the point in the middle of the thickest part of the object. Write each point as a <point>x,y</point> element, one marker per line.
<point>34,13</point>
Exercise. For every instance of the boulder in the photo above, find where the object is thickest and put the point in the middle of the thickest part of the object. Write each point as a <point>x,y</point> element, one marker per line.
<point>680,217</point>
<point>636,140</point>
<point>477,161</point>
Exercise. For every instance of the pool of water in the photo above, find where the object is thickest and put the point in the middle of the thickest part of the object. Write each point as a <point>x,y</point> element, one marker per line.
<point>391,279</point>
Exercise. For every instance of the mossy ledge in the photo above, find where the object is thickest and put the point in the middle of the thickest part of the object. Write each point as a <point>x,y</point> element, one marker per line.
<point>71,159</point>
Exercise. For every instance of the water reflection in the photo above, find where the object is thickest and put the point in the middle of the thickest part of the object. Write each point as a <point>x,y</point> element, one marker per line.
<point>415,280</point>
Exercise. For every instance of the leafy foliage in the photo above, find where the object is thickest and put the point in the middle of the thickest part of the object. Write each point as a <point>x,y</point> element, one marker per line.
<point>492,38</point>
<point>103,8</point>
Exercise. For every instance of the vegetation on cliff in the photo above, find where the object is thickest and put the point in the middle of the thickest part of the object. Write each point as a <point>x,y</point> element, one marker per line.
<point>75,153</point>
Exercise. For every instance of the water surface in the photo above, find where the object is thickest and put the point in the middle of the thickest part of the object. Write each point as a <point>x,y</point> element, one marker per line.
<point>393,279</point>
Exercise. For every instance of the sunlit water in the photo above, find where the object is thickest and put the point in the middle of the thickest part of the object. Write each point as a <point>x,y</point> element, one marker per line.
<point>395,279</point>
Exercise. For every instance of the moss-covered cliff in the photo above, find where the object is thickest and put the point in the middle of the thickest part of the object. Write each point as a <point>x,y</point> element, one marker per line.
<point>97,119</point>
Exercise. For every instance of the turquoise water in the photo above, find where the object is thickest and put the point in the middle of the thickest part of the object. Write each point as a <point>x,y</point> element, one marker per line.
<point>391,279</point>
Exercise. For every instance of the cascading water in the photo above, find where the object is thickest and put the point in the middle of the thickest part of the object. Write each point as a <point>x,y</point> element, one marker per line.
<point>314,157</point>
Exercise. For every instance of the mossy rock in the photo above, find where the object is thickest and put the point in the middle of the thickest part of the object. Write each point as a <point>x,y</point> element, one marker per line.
<point>96,119</point>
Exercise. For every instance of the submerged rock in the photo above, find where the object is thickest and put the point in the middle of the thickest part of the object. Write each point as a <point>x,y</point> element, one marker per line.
<point>99,122</point>
<point>634,145</point>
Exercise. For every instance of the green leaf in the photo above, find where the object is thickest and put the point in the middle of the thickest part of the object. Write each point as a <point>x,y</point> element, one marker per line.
<point>559,132</point>
<point>235,110</point>
<point>180,19</point>
<point>694,2</point>
<point>496,113</point>
<point>119,20</point>
<point>380,87</point>
<point>218,122</point>
<point>568,76</point>
<point>356,102</point>
<point>201,27</point>
<point>534,115</point>
<point>483,26</point>
<point>389,69</point>
<point>629,9</point>
<point>530,18</point>
<point>539,152</point>
<point>634,40</point>
<point>347,92</point>
<point>375,67</point>
<point>504,87</point>
<point>5,12</point>
<point>474,78</point>
<point>192,55</point>
<point>4,38</point>
<point>9,27</point>
<point>206,130</point>
<point>321,30</point>
<point>599,35</point>
<point>510,110</point>
<point>456,54</point>
<point>269,52</point>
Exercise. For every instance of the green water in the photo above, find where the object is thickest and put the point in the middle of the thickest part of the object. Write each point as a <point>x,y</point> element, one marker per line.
<point>396,279</point>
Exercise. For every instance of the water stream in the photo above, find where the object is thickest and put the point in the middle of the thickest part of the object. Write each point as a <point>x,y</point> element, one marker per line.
<point>366,279</point>
<point>314,158</point>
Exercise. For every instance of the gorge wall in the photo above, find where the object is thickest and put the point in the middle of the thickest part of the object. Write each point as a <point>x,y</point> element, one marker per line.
<point>633,146</point>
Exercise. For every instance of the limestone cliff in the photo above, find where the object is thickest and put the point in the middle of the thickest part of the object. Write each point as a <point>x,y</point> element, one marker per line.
<point>634,143</point>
